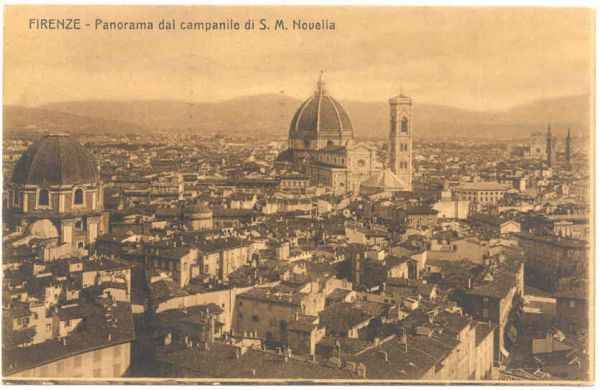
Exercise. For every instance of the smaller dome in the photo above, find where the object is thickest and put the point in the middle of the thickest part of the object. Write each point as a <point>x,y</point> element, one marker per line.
<point>55,160</point>
<point>286,155</point>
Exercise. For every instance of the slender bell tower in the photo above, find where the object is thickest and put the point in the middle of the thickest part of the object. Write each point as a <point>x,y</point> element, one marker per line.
<point>400,144</point>
<point>568,147</point>
<point>549,151</point>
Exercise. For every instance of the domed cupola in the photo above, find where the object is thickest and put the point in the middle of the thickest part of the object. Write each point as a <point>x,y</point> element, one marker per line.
<point>55,160</point>
<point>320,121</point>
<point>56,192</point>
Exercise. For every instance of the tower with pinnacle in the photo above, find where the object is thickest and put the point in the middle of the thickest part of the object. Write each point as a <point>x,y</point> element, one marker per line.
<point>549,151</point>
<point>400,149</point>
<point>568,148</point>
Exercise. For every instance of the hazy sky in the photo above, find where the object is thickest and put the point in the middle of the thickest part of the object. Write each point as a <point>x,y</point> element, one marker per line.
<point>475,58</point>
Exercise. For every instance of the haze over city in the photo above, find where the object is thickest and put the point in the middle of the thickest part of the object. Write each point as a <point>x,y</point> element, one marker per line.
<point>475,59</point>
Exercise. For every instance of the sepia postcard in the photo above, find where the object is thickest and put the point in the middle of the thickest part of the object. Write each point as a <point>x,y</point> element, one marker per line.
<point>298,194</point>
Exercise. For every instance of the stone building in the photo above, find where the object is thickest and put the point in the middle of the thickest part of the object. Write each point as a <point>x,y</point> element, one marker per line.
<point>321,145</point>
<point>56,193</point>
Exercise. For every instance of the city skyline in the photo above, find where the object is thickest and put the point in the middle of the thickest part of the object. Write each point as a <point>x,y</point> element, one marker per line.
<point>364,229</point>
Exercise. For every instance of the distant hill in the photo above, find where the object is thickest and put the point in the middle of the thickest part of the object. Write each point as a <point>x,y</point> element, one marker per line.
<point>271,114</point>
<point>17,118</point>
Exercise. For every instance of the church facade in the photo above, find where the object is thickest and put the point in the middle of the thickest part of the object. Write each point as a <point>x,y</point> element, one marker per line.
<point>321,144</point>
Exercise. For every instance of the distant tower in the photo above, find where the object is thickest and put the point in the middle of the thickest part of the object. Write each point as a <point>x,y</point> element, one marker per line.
<point>568,147</point>
<point>400,144</point>
<point>549,151</point>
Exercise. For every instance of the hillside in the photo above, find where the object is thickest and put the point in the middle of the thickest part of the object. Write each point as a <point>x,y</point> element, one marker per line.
<point>271,114</point>
<point>17,118</point>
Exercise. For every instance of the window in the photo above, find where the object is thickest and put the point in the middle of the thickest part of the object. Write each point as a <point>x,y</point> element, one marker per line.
<point>43,198</point>
<point>255,318</point>
<point>404,125</point>
<point>78,225</point>
<point>78,197</point>
<point>571,304</point>
<point>486,313</point>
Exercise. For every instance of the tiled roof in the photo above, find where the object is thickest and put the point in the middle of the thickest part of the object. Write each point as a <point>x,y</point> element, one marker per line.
<point>92,334</point>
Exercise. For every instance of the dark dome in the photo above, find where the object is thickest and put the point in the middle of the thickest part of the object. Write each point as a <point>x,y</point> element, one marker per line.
<point>319,113</point>
<point>55,160</point>
<point>286,155</point>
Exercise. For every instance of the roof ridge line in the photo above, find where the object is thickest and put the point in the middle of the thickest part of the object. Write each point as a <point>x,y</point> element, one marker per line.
<point>320,96</point>
<point>59,152</point>
<point>302,108</point>
<point>337,114</point>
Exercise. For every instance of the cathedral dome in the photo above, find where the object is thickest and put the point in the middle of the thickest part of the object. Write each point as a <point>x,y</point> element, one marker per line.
<point>55,160</point>
<point>320,115</point>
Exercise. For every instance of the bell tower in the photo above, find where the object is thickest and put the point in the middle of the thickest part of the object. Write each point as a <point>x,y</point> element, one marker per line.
<point>400,143</point>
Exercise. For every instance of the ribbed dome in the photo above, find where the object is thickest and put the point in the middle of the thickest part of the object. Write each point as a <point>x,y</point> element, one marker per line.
<point>55,160</point>
<point>320,113</point>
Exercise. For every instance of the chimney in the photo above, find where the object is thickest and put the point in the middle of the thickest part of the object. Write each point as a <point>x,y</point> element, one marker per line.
<point>361,370</point>
<point>211,329</point>
<point>386,357</point>
<point>404,340</point>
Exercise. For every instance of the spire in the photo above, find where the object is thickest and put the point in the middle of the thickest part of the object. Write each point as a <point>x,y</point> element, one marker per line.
<point>549,151</point>
<point>321,83</point>
<point>568,146</point>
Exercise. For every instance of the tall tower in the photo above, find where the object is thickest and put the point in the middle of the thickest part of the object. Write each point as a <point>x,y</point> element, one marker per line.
<point>568,147</point>
<point>400,144</point>
<point>549,151</point>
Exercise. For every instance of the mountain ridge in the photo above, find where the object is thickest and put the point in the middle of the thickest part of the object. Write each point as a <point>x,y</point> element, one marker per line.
<point>270,114</point>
